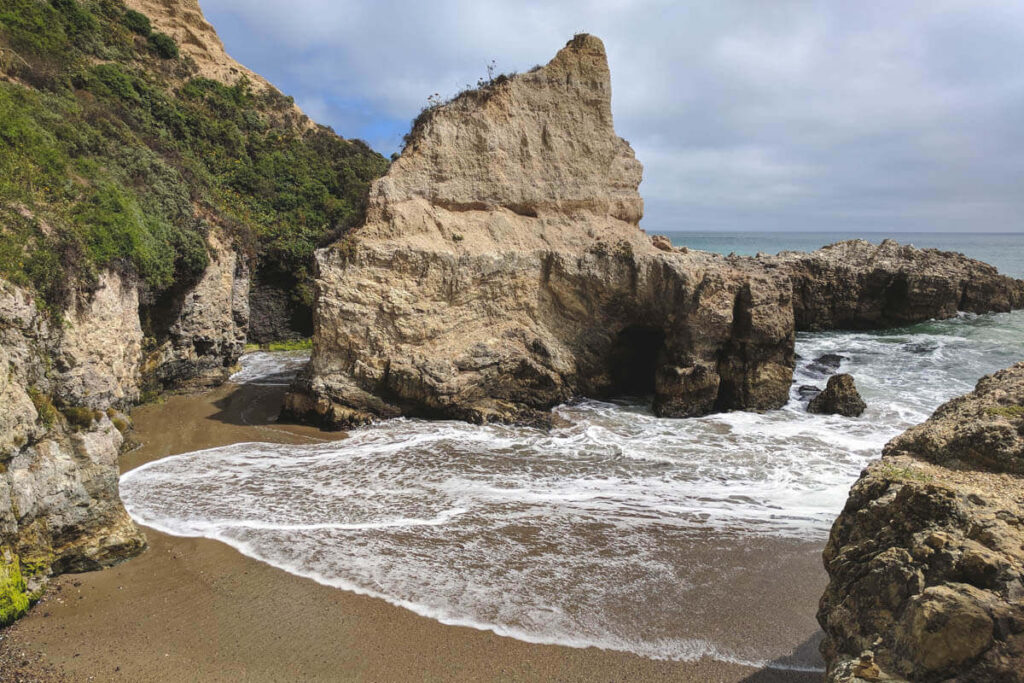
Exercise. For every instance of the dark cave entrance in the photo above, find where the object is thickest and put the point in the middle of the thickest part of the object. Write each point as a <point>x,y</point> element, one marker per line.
<point>635,356</point>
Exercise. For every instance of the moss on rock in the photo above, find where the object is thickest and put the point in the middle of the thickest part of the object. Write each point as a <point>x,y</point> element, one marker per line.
<point>14,598</point>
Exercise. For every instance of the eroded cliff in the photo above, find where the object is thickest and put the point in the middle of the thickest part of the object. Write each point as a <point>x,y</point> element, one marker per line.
<point>501,270</point>
<point>62,388</point>
<point>926,561</point>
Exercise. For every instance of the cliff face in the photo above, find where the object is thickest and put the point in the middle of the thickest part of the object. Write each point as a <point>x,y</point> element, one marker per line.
<point>501,270</point>
<point>926,562</point>
<point>61,387</point>
<point>207,333</point>
<point>856,285</point>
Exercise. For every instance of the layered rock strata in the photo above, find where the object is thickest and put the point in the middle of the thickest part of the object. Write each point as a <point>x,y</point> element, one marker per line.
<point>926,561</point>
<point>501,270</point>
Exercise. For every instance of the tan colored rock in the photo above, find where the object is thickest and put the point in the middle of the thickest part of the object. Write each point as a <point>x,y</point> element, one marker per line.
<point>101,347</point>
<point>661,242</point>
<point>208,333</point>
<point>59,507</point>
<point>926,561</point>
<point>501,270</point>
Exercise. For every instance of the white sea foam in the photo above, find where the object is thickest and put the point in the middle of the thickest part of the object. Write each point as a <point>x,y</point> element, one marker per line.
<point>612,530</point>
<point>270,368</point>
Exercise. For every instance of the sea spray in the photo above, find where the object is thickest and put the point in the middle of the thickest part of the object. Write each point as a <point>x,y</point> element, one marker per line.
<point>616,529</point>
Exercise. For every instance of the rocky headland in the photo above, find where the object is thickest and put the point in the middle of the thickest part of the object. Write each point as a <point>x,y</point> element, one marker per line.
<point>926,561</point>
<point>501,271</point>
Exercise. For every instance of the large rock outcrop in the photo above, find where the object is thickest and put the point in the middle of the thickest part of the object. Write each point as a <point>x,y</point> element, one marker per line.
<point>206,333</point>
<point>501,270</point>
<point>856,285</point>
<point>926,561</point>
<point>59,508</point>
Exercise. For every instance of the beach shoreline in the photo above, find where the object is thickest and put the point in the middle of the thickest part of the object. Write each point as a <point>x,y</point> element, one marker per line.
<point>196,609</point>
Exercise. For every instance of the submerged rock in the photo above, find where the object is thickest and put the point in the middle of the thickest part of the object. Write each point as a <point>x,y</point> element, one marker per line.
<point>926,561</point>
<point>501,271</point>
<point>840,397</point>
<point>825,365</point>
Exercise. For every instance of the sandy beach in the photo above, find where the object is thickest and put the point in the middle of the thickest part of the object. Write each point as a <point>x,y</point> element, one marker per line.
<point>197,610</point>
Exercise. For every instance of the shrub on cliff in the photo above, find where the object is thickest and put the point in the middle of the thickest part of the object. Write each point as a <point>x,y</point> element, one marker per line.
<point>119,156</point>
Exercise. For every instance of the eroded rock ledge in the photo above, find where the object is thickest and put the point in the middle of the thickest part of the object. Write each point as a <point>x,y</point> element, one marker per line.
<point>501,270</point>
<point>926,562</point>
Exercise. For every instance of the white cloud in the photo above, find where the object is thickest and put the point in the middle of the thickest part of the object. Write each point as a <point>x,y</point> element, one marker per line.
<point>747,114</point>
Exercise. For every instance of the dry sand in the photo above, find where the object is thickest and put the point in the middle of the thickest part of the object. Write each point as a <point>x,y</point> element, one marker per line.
<point>197,610</point>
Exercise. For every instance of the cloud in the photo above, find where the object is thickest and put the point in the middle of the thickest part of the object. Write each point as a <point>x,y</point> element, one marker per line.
<point>747,115</point>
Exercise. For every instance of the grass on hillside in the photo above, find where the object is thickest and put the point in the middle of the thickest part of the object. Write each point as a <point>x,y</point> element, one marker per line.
<point>114,154</point>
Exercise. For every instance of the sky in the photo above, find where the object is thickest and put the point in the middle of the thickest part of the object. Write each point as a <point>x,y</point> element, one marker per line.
<point>873,116</point>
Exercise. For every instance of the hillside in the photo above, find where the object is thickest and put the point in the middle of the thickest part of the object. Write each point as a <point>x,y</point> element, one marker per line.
<point>121,150</point>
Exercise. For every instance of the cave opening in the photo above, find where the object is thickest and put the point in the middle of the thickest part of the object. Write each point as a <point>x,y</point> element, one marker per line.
<point>637,352</point>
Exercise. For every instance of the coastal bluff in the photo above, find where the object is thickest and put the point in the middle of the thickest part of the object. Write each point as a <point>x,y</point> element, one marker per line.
<point>501,270</point>
<point>926,561</point>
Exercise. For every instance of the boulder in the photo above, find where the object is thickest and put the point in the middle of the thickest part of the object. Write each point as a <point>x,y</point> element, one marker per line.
<point>926,561</point>
<point>840,397</point>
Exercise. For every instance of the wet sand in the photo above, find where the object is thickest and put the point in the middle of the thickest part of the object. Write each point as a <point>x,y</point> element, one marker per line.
<point>197,610</point>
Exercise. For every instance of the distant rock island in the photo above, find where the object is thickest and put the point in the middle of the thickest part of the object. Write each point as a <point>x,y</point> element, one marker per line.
<point>501,271</point>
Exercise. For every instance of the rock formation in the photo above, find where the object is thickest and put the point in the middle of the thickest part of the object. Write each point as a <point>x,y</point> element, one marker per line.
<point>840,397</point>
<point>207,333</point>
<point>856,285</point>
<point>59,509</point>
<point>501,271</point>
<point>926,561</point>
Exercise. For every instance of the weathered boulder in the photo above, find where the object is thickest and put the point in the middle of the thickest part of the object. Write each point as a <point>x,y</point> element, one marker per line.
<point>501,271</point>
<point>857,285</point>
<point>926,561</point>
<point>840,397</point>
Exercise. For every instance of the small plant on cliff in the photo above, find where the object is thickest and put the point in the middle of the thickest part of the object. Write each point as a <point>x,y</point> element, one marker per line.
<point>79,417</point>
<point>164,45</point>
<point>1011,412</point>
<point>44,407</point>
<point>137,22</point>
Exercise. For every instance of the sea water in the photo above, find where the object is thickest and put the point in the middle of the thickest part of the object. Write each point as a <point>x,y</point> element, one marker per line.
<point>666,538</point>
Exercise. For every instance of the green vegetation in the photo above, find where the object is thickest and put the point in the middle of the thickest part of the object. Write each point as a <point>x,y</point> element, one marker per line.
<point>1011,412</point>
<point>14,600</point>
<point>893,472</point>
<point>288,345</point>
<point>114,154</point>
<point>44,407</point>
<point>80,417</point>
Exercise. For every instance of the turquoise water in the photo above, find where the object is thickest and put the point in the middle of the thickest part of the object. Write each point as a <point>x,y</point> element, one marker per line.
<point>1003,250</point>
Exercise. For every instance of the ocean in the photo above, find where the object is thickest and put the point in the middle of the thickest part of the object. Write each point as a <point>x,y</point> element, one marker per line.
<point>617,529</point>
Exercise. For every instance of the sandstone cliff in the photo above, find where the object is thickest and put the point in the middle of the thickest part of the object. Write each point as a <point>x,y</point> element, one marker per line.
<point>501,270</point>
<point>926,562</point>
<point>61,385</point>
